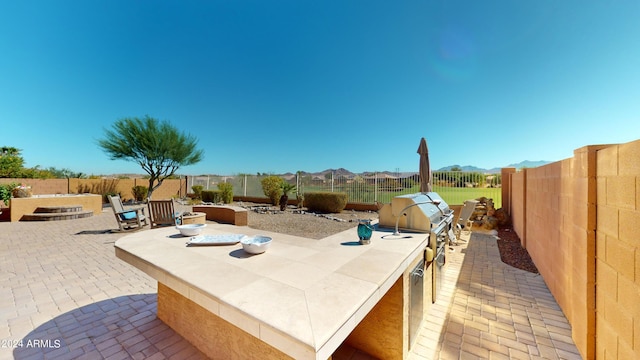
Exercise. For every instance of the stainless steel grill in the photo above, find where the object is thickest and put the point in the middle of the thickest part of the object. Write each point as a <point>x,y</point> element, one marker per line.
<point>423,213</point>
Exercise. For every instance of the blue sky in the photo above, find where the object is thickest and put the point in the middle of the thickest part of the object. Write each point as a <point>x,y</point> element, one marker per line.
<point>282,86</point>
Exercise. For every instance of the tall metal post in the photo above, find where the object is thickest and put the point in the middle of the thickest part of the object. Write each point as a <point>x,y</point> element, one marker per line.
<point>375,186</point>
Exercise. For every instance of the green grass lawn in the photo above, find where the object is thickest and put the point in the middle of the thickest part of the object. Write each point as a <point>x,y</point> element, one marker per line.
<point>457,196</point>
<point>452,195</point>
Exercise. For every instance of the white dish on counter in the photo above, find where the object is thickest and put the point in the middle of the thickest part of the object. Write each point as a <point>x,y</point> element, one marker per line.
<point>222,239</point>
<point>255,244</point>
<point>191,229</point>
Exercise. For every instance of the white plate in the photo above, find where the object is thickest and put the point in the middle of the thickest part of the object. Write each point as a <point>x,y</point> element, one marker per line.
<point>223,239</point>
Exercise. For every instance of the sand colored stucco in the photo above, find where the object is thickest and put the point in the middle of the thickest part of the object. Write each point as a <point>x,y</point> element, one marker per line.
<point>24,206</point>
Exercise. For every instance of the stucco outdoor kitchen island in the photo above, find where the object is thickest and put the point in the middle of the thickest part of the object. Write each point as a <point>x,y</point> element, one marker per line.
<point>300,299</point>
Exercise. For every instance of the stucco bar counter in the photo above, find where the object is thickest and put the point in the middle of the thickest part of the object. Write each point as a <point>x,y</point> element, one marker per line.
<point>301,299</point>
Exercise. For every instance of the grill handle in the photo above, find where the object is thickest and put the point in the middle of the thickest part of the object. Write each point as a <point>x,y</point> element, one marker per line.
<point>435,202</point>
<point>418,272</point>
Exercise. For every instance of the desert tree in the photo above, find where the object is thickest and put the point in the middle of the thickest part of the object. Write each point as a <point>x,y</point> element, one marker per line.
<point>157,146</point>
<point>11,162</point>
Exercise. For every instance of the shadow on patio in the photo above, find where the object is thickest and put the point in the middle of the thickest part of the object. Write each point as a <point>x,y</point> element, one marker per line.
<point>125,327</point>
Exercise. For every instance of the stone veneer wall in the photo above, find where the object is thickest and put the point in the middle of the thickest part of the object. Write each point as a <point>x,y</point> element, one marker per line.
<point>618,252</point>
<point>576,218</point>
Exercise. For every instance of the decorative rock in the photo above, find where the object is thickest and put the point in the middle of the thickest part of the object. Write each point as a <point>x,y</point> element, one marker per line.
<point>491,222</point>
<point>491,210</point>
<point>485,213</point>
<point>503,217</point>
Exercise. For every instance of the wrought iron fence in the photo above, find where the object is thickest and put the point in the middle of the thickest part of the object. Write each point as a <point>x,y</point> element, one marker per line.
<point>453,186</point>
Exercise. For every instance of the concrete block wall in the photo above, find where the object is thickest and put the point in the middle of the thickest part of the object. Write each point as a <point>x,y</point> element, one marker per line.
<point>554,241</point>
<point>517,203</point>
<point>42,186</point>
<point>618,252</point>
<point>578,217</point>
<point>170,188</point>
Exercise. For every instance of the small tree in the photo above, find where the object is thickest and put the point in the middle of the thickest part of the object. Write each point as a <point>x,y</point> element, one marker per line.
<point>271,186</point>
<point>11,162</point>
<point>226,192</point>
<point>158,147</point>
<point>286,188</point>
<point>139,192</point>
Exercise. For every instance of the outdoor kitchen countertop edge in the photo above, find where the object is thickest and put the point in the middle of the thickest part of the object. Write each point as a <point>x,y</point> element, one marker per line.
<point>311,292</point>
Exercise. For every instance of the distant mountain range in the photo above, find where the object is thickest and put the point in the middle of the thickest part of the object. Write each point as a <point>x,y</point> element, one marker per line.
<point>520,165</point>
<point>342,172</point>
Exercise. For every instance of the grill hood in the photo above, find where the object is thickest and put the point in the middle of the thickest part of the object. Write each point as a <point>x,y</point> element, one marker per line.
<point>423,210</point>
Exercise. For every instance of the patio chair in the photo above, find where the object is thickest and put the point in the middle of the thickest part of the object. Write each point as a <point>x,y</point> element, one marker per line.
<point>162,213</point>
<point>464,220</point>
<point>128,218</point>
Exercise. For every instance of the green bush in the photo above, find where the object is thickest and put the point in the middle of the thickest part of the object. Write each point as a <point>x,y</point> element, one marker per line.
<point>272,186</point>
<point>197,189</point>
<point>212,196</point>
<point>226,192</point>
<point>105,196</point>
<point>6,191</point>
<point>140,192</point>
<point>326,202</point>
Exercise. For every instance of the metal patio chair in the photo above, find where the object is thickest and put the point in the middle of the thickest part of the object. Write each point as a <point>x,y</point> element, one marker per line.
<point>464,220</point>
<point>130,218</point>
<point>162,213</point>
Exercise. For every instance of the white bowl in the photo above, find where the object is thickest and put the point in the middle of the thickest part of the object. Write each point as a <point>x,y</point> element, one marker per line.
<point>191,229</point>
<point>255,244</point>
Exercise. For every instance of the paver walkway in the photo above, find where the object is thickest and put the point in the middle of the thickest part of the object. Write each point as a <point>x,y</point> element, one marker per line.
<point>490,310</point>
<point>64,295</point>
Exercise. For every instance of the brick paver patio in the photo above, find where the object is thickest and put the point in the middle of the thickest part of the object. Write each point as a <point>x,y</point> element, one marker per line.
<point>64,295</point>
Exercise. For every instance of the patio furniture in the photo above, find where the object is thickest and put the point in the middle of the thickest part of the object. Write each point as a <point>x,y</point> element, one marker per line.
<point>130,218</point>
<point>464,220</point>
<point>162,213</point>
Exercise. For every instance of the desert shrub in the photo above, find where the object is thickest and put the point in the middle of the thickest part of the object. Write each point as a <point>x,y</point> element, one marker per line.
<point>105,196</point>
<point>226,192</point>
<point>105,187</point>
<point>326,202</point>
<point>84,189</point>
<point>140,192</point>
<point>272,186</point>
<point>5,192</point>
<point>197,190</point>
<point>212,196</point>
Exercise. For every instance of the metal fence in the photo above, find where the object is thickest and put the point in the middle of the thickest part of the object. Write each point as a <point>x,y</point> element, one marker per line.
<point>453,186</point>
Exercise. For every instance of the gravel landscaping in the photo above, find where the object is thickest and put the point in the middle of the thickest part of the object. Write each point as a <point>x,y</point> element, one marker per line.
<point>317,226</point>
<point>512,253</point>
<point>302,223</point>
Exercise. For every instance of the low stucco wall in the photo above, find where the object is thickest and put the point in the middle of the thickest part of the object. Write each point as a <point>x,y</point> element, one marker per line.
<point>22,206</point>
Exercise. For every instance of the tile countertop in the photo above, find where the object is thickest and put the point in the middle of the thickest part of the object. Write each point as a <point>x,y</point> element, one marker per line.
<point>302,296</point>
